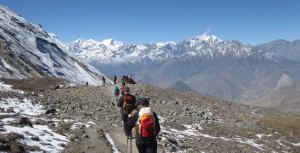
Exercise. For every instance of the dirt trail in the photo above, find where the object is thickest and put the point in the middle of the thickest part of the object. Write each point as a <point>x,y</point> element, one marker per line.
<point>94,142</point>
<point>120,140</point>
<point>117,133</point>
<point>94,137</point>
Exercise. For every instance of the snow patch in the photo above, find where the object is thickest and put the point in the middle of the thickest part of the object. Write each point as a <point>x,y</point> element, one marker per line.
<point>191,132</point>
<point>296,144</point>
<point>80,125</point>
<point>109,139</point>
<point>5,87</point>
<point>49,141</point>
<point>263,135</point>
<point>23,107</point>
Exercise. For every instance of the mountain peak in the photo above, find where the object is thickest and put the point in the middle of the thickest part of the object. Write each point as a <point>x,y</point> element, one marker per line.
<point>181,87</point>
<point>205,37</point>
<point>113,44</point>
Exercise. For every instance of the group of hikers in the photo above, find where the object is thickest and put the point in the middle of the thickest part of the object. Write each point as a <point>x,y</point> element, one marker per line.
<point>125,78</point>
<point>140,122</point>
<point>128,79</point>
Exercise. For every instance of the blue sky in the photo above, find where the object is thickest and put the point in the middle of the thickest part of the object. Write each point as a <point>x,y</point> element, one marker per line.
<point>152,21</point>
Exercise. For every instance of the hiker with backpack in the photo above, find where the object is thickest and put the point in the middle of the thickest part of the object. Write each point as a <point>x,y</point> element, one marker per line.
<point>127,105</point>
<point>115,79</point>
<point>147,127</point>
<point>122,89</point>
<point>136,110</point>
<point>103,79</point>
<point>123,83</point>
<point>116,92</point>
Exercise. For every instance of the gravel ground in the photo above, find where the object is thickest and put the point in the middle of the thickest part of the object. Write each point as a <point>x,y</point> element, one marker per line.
<point>190,122</point>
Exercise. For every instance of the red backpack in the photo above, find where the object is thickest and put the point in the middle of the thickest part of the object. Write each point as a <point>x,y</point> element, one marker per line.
<point>146,126</point>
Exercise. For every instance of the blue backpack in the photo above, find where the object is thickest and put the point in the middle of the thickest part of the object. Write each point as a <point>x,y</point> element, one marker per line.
<point>116,91</point>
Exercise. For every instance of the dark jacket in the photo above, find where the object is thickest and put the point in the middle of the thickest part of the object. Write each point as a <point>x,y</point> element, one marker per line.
<point>115,79</point>
<point>121,101</point>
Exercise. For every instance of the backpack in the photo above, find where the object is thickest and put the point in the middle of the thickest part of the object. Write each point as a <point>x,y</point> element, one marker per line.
<point>122,89</point>
<point>146,123</point>
<point>116,91</point>
<point>128,104</point>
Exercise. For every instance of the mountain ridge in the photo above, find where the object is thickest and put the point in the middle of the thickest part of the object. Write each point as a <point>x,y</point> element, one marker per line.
<point>199,61</point>
<point>200,45</point>
<point>29,51</point>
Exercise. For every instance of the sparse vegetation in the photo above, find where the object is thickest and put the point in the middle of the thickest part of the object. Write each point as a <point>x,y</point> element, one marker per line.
<point>287,126</point>
<point>34,84</point>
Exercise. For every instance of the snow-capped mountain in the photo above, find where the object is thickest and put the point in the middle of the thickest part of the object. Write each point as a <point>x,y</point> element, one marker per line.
<point>224,69</point>
<point>114,52</point>
<point>111,53</point>
<point>28,51</point>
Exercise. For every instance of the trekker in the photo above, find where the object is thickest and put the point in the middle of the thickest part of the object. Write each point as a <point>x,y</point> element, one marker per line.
<point>115,79</point>
<point>128,77</point>
<point>127,105</point>
<point>103,79</point>
<point>137,107</point>
<point>147,127</point>
<point>122,90</point>
<point>136,110</point>
<point>116,92</point>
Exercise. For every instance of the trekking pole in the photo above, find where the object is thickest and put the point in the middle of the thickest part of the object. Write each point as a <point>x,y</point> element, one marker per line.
<point>127,144</point>
<point>130,145</point>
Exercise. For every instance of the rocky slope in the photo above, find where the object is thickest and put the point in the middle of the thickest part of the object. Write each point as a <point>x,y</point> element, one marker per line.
<point>27,50</point>
<point>88,117</point>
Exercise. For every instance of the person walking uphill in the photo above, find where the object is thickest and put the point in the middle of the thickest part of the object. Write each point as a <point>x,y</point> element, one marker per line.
<point>103,79</point>
<point>115,79</point>
<point>127,105</point>
<point>116,92</point>
<point>147,127</point>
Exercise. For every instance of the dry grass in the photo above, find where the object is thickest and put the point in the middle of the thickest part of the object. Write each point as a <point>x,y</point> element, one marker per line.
<point>33,84</point>
<point>288,126</point>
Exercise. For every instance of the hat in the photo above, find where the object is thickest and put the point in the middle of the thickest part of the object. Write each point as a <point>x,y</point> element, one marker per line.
<point>144,101</point>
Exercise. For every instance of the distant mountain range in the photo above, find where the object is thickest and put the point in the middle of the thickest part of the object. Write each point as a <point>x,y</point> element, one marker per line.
<point>282,49</point>
<point>205,64</point>
<point>26,50</point>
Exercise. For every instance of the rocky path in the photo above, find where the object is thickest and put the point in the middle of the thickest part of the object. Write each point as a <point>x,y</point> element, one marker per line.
<point>103,137</point>
<point>117,133</point>
<point>120,140</point>
<point>94,142</point>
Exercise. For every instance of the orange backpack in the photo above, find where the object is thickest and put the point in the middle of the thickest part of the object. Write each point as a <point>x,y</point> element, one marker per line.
<point>128,104</point>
